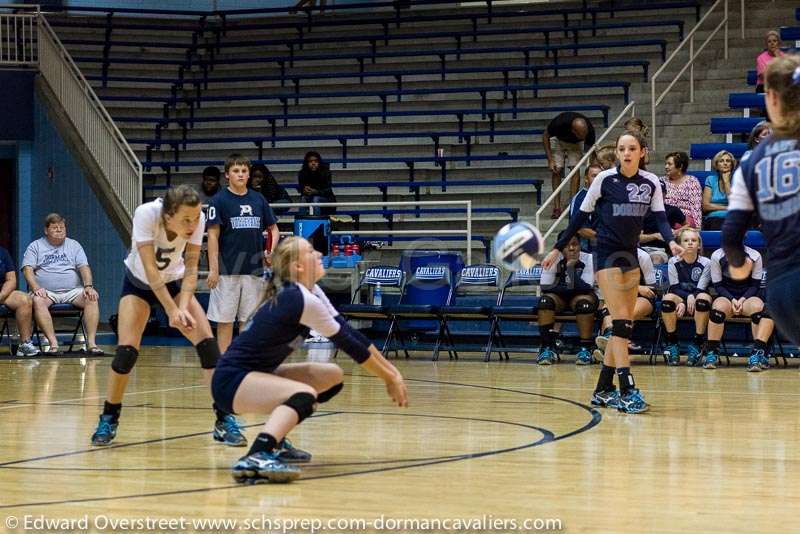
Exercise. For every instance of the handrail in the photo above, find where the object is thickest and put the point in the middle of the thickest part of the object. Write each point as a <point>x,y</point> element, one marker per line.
<point>17,38</point>
<point>654,102</point>
<point>577,169</point>
<point>466,203</point>
<point>108,147</point>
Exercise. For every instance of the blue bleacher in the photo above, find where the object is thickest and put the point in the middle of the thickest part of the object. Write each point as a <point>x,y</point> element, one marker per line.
<point>712,239</point>
<point>790,33</point>
<point>709,150</point>
<point>734,125</point>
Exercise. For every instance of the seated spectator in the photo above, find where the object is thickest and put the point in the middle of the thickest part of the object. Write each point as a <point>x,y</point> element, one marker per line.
<point>605,156</point>
<point>760,131</point>
<point>645,303</point>
<point>58,272</point>
<point>210,185</point>
<point>588,233</point>
<point>742,298</point>
<point>773,50</point>
<point>650,239</point>
<point>18,302</point>
<point>315,183</point>
<point>683,190</point>
<point>689,281</point>
<point>717,189</point>
<point>262,181</point>
<point>568,286</point>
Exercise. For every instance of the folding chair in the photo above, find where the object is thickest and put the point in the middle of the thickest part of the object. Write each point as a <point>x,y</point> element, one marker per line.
<point>662,286</point>
<point>388,277</point>
<point>64,311</point>
<point>428,289</point>
<point>5,329</point>
<point>473,280</point>
<point>525,311</point>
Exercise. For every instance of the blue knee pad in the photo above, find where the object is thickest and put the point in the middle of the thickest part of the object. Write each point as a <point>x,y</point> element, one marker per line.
<point>124,359</point>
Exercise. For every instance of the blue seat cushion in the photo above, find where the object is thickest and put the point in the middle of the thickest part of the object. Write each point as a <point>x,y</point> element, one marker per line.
<point>466,310</point>
<point>414,309</point>
<point>515,310</point>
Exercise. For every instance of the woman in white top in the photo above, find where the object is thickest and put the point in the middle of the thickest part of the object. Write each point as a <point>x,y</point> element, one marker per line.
<point>161,268</point>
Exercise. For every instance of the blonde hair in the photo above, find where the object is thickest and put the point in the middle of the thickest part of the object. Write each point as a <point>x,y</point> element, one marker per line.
<point>724,181</point>
<point>287,251</point>
<point>772,32</point>
<point>688,229</point>
<point>605,156</point>
<point>783,77</point>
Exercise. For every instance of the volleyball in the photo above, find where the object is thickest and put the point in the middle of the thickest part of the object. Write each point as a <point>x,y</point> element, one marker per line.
<point>517,246</point>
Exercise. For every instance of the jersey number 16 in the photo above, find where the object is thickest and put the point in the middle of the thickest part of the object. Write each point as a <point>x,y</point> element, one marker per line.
<point>778,177</point>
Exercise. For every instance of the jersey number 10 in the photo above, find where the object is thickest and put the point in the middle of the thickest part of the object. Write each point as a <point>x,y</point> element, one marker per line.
<point>779,177</point>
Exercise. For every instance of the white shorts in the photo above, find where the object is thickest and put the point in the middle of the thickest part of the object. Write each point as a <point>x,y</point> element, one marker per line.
<point>236,296</point>
<point>67,296</point>
<point>566,154</point>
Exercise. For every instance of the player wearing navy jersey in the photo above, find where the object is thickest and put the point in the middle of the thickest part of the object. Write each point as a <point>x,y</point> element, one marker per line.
<point>689,280</point>
<point>621,197</point>
<point>768,183</point>
<point>252,378</point>
<point>237,219</point>
<point>645,302</point>
<point>743,298</point>
<point>161,268</point>
<point>568,285</point>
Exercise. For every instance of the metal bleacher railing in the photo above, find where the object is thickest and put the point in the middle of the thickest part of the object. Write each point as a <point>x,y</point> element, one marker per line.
<point>27,39</point>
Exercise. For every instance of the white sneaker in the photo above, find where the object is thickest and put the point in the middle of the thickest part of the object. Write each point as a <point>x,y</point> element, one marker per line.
<point>27,349</point>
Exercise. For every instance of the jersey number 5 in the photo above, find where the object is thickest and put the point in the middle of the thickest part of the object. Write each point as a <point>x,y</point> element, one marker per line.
<point>162,257</point>
<point>778,178</point>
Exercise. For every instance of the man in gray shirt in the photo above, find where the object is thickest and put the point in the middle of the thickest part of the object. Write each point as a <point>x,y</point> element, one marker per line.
<point>58,272</point>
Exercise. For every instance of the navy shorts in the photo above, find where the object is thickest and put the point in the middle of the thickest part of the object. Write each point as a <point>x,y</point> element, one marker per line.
<point>605,258</point>
<point>133,286</point>
<point>224,385</point>
<point>783,294</point>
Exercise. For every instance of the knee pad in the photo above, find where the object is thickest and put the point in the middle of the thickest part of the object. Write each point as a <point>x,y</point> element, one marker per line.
<point>547,303</point>
<point>302,403</point>
<point>208,352</point>
<point>668,306</point>
<point>124,359</point>
<point>622,328</point>
<point>716,316</point>
<point>702,305</point>
<point>603,313</point>
<point>756,317</point>
<point>583,307</point>
<point>328,394</point>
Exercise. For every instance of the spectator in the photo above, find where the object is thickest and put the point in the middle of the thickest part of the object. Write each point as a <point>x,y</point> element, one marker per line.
<point>773,50</point>
<point>210,185</point>
<point>683,190</point>
<point>605,156</point>
<point>58,272</point>
<point>315,182</point>
<point>588,233</point>
<point>18,302</point>
<point>262,181</point>
<point>573,133</point>
<point>760,131</point>
<point>717,189</point>
<point>237,220</point>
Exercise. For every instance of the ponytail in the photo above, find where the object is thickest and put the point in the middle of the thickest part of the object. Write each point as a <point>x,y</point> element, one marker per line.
<point>783,77</point>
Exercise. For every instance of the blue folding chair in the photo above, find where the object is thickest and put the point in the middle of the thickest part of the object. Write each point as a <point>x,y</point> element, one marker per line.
<point>428,289</point>
<point>472,280</point>
<point>527,310</point>
<point>388,277</point>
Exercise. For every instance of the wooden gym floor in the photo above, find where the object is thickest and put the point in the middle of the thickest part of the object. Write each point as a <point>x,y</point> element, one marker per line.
<point>718,452</point>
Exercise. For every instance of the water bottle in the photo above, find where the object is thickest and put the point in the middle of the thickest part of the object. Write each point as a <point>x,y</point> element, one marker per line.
<point>377,297</point>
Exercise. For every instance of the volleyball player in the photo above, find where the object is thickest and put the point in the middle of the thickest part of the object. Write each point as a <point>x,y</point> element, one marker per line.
<point>689,279</point>
<point>568,285</point>
<point>161,268</point>
<point>252,378</point>
<point>622,197</point>
<point>768,182</point>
